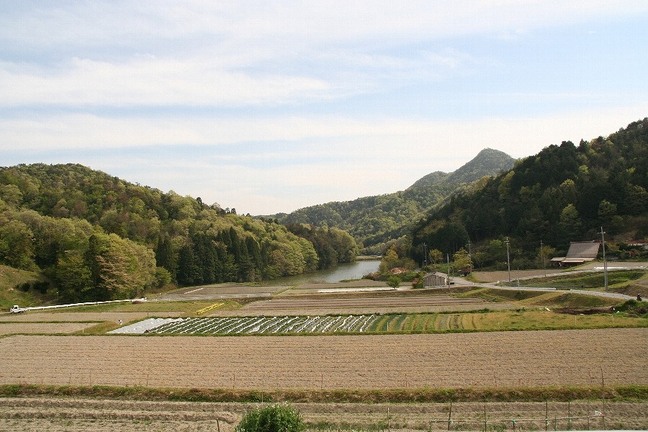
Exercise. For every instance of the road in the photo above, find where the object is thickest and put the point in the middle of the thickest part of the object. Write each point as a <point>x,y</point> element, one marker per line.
<point>592,267</point>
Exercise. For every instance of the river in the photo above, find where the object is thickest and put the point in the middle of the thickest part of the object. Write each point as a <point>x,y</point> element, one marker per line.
<point>342,272</point>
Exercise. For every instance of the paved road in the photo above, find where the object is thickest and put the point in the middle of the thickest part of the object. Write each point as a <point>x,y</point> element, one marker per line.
<point>463,282</point>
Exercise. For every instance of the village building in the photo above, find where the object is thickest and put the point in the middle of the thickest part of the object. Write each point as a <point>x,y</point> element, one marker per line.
<point>579,253</point>
<point>435,280</point>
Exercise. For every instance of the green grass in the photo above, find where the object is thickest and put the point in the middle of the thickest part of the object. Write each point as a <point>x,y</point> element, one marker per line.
<point>586,280</point>
<point>630,393</point>
<point>10,279</point>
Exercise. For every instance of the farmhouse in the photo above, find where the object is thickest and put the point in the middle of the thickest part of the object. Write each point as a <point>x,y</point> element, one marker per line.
<point>578,253</point>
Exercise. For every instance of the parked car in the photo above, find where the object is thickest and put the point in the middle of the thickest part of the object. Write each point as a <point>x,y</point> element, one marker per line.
<point>17,309</point>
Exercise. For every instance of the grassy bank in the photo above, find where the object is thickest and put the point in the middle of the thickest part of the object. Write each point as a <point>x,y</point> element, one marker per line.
<point>521,394</point>
<point>595,280</point>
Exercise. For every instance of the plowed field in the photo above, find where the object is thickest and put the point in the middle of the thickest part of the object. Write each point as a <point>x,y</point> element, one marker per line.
<point>76,415</point>
<point>509,359</point>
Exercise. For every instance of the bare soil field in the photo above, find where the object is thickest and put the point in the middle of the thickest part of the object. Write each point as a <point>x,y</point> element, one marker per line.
<point>72,415</point>
<point>43,328</point>
<point>221,291</point>
<point>497,359</point>
<point>50,414</point>
<point>96,317</point>
<point>383,303</point>
<point>64,322</point>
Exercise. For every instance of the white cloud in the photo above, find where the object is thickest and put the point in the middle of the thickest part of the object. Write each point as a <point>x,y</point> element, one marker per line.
<point>149,81</point>
<point>249,53</point>
<point>246,163</point>
<point>261,105</point>
<point>96,23</point>
<point>390,134</point>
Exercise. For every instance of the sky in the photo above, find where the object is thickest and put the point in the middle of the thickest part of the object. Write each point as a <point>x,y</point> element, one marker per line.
<point>270,106</point>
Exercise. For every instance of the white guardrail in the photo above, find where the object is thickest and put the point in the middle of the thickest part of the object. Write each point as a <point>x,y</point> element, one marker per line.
<point>17,309</point>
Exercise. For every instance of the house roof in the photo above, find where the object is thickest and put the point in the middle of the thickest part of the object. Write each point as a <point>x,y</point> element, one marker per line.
<point>583,250</point>
<point>579,252</point>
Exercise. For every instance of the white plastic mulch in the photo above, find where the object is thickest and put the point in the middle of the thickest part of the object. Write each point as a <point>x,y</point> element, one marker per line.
<point>143,326</point>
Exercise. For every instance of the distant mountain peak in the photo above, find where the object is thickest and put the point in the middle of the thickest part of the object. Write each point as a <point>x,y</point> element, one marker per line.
<point>376,219</point>
<point>487,162</point>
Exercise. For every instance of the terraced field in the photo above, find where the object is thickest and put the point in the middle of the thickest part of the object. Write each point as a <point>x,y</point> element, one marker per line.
<point>383,303</point>
<point>506,359</point>
<point>301,324</point>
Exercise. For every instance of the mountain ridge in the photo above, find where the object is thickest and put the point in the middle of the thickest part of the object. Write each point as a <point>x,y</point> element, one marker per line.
<point>565,193</point>
<point>375,219</point>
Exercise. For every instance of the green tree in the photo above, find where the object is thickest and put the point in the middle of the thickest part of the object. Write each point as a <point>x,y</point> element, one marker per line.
<point>389,261</point>
<point>74,277</point>
<point>608,217</point>
<point>16,245</point>
<point>120,268</point>
<point>570,223</point>
<point>272,418</point>
<point>462,261</point>
<point>436,256</point>
<point>545,253</point>
<point>393,281</point>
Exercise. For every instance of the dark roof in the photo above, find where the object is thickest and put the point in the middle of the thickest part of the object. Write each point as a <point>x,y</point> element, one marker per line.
<point>580,252</point>
<point>584,250</point>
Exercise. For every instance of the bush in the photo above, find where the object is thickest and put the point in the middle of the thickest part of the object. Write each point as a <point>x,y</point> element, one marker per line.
<point>634,308</point>
<point>272,418</point>
<point>394,281</point>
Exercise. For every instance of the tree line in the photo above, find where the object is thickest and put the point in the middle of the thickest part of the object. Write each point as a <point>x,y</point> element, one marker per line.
<point>376,220</point>
<point>565,193</point>
<point>96,237</point>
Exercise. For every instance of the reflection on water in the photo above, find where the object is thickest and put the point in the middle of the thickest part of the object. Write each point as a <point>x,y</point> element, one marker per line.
<point>342,272</point>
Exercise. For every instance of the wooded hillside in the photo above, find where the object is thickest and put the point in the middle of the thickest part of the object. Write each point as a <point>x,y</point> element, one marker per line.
<point>375,220</point>
<point>97,237</point>
<point>565,193</point>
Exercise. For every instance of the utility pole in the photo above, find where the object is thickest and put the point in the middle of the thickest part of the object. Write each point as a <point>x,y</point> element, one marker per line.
<point>508,259</point>
<point>605,272</point>
<point>543,260</point>
<point>425,257</point>
<point>469,257</point>
<point>448,279</point>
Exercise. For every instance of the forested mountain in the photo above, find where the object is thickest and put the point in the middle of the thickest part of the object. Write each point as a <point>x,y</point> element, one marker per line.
<point>98,237</point>
<point>374,220</point>
<point>564,193</point>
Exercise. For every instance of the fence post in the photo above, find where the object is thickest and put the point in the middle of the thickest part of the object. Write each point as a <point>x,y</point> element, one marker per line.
<point>485,419</point>
<point>450,416</point>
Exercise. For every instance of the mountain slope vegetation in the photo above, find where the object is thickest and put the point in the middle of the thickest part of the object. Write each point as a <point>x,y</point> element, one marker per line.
<point>97,237</point>
<point>375,220</point>
<point>565,193</point>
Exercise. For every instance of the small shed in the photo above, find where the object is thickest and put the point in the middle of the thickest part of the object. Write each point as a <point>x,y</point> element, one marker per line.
<point>578,253</point>
<point>435,279</point>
